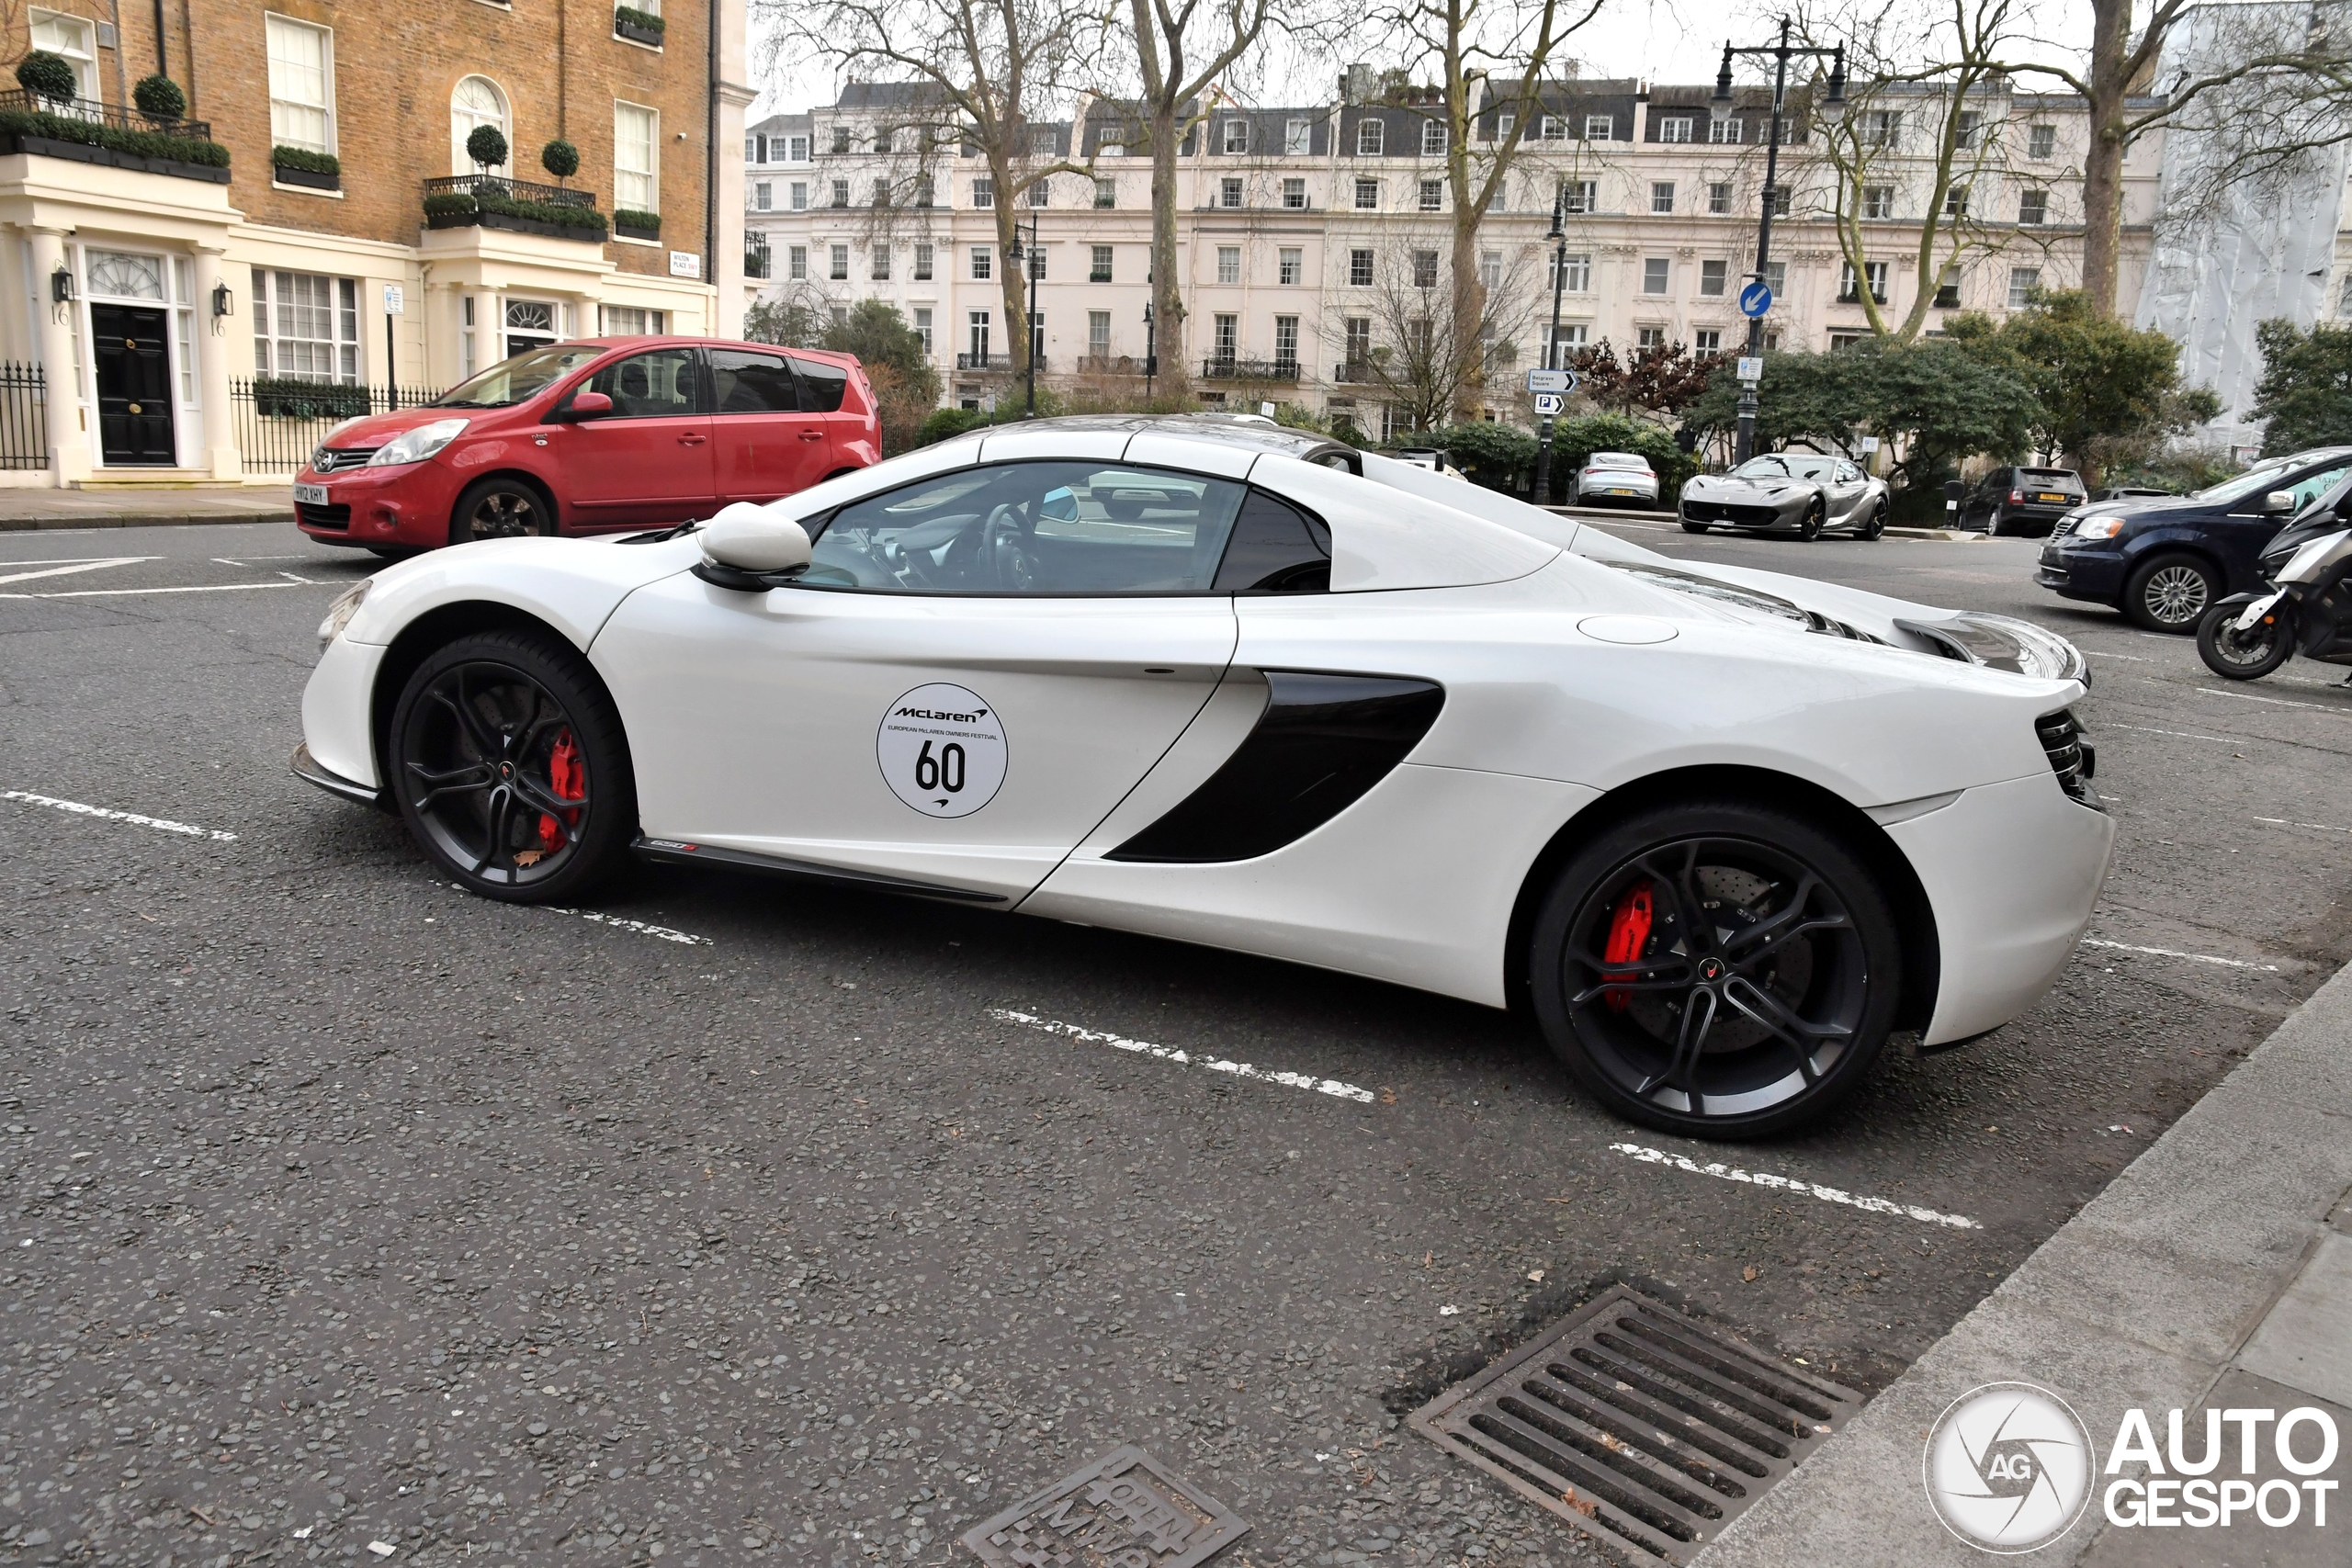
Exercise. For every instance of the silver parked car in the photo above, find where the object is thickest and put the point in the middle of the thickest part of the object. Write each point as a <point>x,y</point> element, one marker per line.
<point>1808,492</point>
<point>1616,479</point>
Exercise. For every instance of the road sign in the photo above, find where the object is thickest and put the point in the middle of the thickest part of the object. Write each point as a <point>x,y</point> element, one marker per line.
<point>1550,381</point>
<point>1751,369</point>
<point>1755,298</point>
<point>1549,402</point>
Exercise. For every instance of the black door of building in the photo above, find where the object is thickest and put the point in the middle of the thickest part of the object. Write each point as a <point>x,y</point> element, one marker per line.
<point>134,373</point>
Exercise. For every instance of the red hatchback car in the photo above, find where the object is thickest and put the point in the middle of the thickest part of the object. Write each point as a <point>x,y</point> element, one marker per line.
<point>584,436</point>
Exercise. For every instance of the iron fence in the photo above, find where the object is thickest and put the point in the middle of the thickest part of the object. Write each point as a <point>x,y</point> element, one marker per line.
<point>282,419</point>
<point>92,112</point>
<point>23,417</point>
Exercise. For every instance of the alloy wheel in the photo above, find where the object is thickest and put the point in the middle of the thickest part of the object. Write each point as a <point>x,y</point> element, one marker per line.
<point>1711,977</point>
<point>2175,595</point>
<point>494,774</point>
<point>503,514</point>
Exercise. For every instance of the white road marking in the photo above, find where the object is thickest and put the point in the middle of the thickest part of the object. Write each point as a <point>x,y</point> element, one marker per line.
<point>1332,1087</point>
<point>2134,658</point>
<point>1802,1189</point>
<point>67,569</point>
<point>2173,953</point>
<point>2276,702</point>
<point>135,818</point>
<point>2176,734</point>
<point>207,588</point>
<point>665,932</point>
<point>2314,827</point>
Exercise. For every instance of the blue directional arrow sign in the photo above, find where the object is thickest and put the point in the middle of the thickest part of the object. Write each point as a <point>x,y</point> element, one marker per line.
<point>1755,298</point>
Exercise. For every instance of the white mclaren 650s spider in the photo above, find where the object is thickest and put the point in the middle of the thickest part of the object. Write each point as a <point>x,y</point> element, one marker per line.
<point>1719,831</point>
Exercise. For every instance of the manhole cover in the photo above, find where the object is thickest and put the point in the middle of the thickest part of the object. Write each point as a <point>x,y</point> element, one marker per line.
<point>1638,1426</point>
<point>1125,1510</point>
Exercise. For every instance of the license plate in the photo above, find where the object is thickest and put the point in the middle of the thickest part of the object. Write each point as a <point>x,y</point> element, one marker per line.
<point>1619,492</point>
<point>311,495</point>
<point>2053,498</point>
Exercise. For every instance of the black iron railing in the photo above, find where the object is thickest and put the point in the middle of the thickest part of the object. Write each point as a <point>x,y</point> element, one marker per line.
<point>282,419</point>
<point>513,190</point>
<point>1249,370</point>
<point>23,417</point>
<point>1353,372</point>
<point>984,362</point>
<point>92,112</point>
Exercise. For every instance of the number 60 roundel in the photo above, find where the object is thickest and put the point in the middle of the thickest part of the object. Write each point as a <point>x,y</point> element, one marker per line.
<point>942,750</point>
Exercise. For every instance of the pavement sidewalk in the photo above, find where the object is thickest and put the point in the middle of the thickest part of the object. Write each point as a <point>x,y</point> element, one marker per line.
<point>2215,1271</point>
<point>32,509</point>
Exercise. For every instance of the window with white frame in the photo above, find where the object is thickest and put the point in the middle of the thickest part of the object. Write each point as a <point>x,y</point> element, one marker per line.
<point>1656,272</point>
<point>1966,132</point>
<point>1227,338</point>
<point>2024,283</point>
<point>798,150</point>
<point>983,266</point>
<point>1719,197</point>
<point>1956,201</point>
<point>1572,274</point>
<point>1707,342</point>
<point>2042,142</point>
<point>301,83</point>
<point>630,321</point>
<point>1229,192</point>
<point>1041,191</point>
<point>984,191</point>
<point>2033,208</point>
<point>1294,195</point>
<point>1106,192</point>
<point>881,261</point>
<point>1098,335</point>
<point>1881,128</point>
<point>1567,338</point>
<point>1490,270</point>
<point>1674,128</point>
<point>1425,269</point>
<point>1298,138</point>
<point>636,134</point>
<point>306,326</point>
<point>1776,278</point>
<point>1290,266</point>
<point>1359,339</point>
<point>475,102</point>
<point>1229,264</point>
<point>1099,264</point>
<point>923,327</point>
<point>1237,135</point>
<point>1581,196</point>
<point>839,271</point>
<point>1649,337</point>
<point>1600,127</point>
<point>1725,132</point>
<point>796,263</point>
<point>1367,194</point>
<point>1714,277</point>
<point>1372,136</point>
<point>74,39</point>
<point>840,193</point>
<point>1433,139</point>
<point>1878,201</point>
<point>924,261</point>
<point>762,196</point>
<point>1552,127</point>
<point>1432,195</point>
<point>1661,196</point>
<point>1286,341</point>
<point>800,196</point>
<point>1505,123</point>
<point>1359,268</point>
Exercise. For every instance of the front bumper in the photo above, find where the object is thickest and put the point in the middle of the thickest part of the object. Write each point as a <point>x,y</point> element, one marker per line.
<point>404,507</point>
<point>2012,872</point>
<point>1739,515</point>
<point>309,772</point>
<point>338,730</point>
<point>2095,575</point>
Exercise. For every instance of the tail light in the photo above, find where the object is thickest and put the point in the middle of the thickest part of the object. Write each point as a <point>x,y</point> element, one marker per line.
<point>2017,495</point>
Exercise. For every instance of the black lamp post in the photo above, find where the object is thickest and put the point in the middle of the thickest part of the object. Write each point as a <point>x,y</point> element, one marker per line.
<point>1028,261</point>
<point>1150,350</point>
<point>1552,343</point>
<point>1781,52</point>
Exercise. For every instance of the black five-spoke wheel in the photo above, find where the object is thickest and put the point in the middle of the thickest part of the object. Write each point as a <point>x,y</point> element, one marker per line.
<point>1721,970</point>
<point>508,766</point>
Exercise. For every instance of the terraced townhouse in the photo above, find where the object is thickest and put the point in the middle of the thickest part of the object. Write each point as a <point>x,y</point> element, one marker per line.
<point>203,291</point>
<point>1291,218</point>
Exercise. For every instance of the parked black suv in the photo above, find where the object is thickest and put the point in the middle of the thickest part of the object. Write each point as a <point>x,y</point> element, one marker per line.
<point>2163,560</point>
<point>2025,501</point>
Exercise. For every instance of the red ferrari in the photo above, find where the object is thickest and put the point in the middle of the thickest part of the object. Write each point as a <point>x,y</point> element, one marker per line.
<point>585,436</point>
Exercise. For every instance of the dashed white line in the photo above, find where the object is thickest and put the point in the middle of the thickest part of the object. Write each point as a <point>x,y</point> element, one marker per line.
<point>135,818</point>
<point>2134,658</point>
<point>2275,701</point>
<point>1332,1087</point>
<point>2176,734</point>
<point>291,582</point>
<point>68,568</point>
<point>1800,1188</point>
<point>2314,827</point>
<point>2176,953</point>
<point>665,933</point>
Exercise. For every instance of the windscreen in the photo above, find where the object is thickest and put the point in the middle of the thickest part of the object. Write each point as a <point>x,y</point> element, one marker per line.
<point>518,380</point>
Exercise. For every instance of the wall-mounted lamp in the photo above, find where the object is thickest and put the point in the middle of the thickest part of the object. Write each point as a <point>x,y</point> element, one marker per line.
<point>224,303</point>
<point>61,285</point>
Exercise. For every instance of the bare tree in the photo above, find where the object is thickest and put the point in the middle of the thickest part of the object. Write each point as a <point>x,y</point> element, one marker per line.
<point>1181,50</point>
<point>1408,345</point>
<point>1490,58</point>
<point>994,65</point>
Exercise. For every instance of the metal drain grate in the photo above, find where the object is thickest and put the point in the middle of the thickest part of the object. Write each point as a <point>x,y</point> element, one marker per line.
<point>1638,1426</point>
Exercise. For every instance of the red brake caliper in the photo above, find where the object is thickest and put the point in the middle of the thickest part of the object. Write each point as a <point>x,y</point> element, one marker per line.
<point>569,780</point>
<point>1629,934</point>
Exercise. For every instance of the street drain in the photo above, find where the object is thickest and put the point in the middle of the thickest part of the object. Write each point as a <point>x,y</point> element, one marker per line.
<point>1125,1510</point>
<point>1638,1426</point>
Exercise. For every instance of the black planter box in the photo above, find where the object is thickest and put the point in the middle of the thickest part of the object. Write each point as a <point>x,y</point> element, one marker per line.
<point>306,178</point>
<point>518,225</point>
<point>106,157</point>
<point>633,232</point>
<point>636,34</point>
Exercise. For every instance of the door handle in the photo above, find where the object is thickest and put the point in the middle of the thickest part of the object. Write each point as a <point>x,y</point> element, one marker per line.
<point>691,440</point>
<point>813,436</point>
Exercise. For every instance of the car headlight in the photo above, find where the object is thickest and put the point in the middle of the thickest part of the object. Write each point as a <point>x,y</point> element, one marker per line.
<point>346,604</point>
<point>2098,528</point>
<point>415,446</point>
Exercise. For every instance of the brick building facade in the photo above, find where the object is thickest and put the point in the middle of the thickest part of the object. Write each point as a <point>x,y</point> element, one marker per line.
<point>350,239</point>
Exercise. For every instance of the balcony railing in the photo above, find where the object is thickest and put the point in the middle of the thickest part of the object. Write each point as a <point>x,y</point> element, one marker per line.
<point>1110,365</point>
<point>89,111</point>
<point>984,362</point>
<point>85,130</point>
<point>1249,370</point>
<point>491,201</point>
<point>1353,372</point>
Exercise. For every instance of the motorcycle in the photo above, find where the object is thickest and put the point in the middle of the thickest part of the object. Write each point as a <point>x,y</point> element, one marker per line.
<point>2307,606</point>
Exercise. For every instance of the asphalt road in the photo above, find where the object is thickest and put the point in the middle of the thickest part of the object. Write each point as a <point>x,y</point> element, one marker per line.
<point>730,1221</point>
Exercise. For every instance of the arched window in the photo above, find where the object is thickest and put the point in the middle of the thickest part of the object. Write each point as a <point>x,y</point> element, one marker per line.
<point>477,102</point>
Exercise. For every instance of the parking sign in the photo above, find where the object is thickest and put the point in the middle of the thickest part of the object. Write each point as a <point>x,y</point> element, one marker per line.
<point>1549,402</point>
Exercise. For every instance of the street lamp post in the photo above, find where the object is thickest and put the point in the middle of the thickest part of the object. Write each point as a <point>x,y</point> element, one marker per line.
<point>1552,343</point>
<point>1150,350</point>
<point>1781,52</point>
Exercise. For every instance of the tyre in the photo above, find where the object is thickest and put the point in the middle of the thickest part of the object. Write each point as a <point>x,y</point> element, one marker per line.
<point>510,767</point>
<point>1717,969</point>
<point>2248,654</point>
<point>1814,515</point>
<point>500,508</point>
<point>1993,521</point>
<point>1876,525</point>
<point>2170,593</point>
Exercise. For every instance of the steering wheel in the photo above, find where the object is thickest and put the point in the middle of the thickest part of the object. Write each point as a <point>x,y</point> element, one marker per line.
<point>1003,551</point>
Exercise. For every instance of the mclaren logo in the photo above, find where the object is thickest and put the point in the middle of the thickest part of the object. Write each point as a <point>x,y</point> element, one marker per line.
<point>943,718</point>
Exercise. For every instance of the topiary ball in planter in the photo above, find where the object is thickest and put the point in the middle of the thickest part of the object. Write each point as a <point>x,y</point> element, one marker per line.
<point>46,75</point>
<point>560,159</point>
<point>159,98</point>
<point>487,146</point>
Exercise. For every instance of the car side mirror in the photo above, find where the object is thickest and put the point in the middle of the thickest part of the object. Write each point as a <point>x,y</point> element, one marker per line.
<point>2279,500</point>
<point>585,405</point>
<point>746,547</point>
